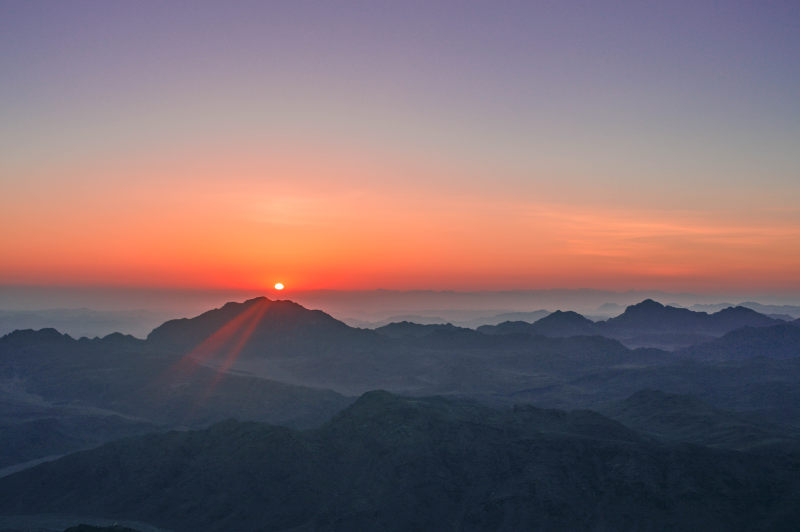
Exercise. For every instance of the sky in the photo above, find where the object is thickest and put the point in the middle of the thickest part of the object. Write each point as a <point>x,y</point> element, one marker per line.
<point>468,145</point>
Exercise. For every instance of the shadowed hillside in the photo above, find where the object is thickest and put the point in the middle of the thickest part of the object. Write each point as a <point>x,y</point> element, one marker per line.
<point>59,395</point>
<point>388,463</point>
<point>683,418</point>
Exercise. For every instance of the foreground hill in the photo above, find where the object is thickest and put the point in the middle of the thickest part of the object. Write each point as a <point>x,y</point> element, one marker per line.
<point>388,463</point>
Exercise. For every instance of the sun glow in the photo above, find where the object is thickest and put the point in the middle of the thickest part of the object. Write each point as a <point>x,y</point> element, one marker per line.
<point>279,286</point>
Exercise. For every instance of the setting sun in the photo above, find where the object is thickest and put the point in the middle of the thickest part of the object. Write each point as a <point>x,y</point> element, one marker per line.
<point>278,286</point>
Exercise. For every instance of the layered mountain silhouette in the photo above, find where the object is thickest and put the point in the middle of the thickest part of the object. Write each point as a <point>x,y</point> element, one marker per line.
<point>58,394</point>
<point>390,463</point>
<point>646,324</point>
<point>652,317</point>
<point>284,341</point>
<point>140,380</point>
<point>407,329</point>
<point>557,324</point>
<point>268,327</point>
<point>256,322</point>
<point>277,362</point>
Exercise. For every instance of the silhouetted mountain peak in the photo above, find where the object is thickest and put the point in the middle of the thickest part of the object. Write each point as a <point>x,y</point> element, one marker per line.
<point>737,311</point>
<point>47,335</point>
<point>252,301</point>
<point>507,327</point>
<point>651,323</point>
<point>275,308</point>
<point>649,307</point>
<point>556,324</point>
<point>250,321</point>
<point>650,316</point>
<point>120,339</point>
<point>563,315</point>
<point>564,323</point>
<point>647,304</point>
<point>408,329</point>
<point>731,318</point>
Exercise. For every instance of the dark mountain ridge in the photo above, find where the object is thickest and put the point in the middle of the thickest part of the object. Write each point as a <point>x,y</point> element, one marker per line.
<point>283,324</point>
<point>645,324</point>
<point>408,329</point>
<point>276,361</point>
<point>652,317</point>
<point>556,324</point>
<point>388,463</point>
<point>264,327</point>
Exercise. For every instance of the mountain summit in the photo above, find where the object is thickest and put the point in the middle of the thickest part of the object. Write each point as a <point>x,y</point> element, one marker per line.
<point>248,325</point>
<point>651,316</point>
<point>557,324</point>
<point>650,323</point>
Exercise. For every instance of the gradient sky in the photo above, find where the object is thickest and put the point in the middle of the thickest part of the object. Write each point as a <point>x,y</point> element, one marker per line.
<point>358,145</point>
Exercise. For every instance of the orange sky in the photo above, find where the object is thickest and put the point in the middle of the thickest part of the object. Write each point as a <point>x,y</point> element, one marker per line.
<point>334,222</point>
<point>453,145</point>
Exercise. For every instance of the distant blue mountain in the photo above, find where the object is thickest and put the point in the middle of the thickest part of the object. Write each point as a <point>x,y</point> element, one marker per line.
<point>646,324</point>
<point>556,324</point>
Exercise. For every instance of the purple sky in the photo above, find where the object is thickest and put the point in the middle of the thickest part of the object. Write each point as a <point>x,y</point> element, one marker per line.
<point>633,144</point>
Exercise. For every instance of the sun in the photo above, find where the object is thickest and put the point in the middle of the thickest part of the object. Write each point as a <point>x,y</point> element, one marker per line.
<point>279,286</point>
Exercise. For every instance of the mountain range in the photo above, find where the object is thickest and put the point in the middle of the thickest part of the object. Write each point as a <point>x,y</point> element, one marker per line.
<point>646,324</point>
<point>277,362</point>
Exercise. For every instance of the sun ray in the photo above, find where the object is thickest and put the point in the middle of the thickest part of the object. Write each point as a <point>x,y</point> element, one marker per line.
<point>220,350</point>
